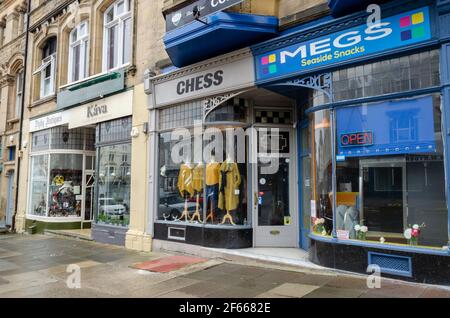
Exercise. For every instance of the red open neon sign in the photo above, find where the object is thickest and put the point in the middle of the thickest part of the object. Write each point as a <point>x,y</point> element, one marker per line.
<point>363,138</point>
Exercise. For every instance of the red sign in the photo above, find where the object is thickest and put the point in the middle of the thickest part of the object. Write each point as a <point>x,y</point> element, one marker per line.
<point>364,138</point>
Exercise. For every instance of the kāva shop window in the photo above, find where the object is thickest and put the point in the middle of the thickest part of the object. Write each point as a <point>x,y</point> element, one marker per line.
<point>390,176</point>
<point>209,189</point>
<point>114,172</point>
<point>56,171</point>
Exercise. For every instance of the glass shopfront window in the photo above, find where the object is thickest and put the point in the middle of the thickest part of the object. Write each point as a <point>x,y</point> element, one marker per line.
<point>321,176</point>
<point>56,171</point>
<point>114,172</point>
<point>210,190</point>
<point>390,176</point>
<point>66,176</point>
<point>114,183</point>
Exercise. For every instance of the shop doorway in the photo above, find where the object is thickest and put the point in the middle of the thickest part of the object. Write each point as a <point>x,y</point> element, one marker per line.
<point>89,196</point>
<point>275,212</point>
<point>10,199</point>
<point>383,195</point>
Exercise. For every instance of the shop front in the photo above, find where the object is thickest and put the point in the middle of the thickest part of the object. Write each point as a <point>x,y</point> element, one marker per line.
<point>80,169</point>
<point>372,156</point>
<point>225,174</point>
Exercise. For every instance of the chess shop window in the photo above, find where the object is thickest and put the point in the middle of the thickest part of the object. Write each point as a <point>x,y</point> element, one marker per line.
<point>212,190</point>
<point>56,169</point>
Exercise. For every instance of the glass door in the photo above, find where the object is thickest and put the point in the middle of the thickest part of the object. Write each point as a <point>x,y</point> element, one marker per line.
<point>274,208</point>
<point>89,197</point>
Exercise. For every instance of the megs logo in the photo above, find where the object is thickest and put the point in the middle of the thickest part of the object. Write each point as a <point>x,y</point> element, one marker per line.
<point>345,40</point>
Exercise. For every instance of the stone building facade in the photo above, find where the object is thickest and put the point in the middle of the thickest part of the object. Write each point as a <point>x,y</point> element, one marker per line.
<point>12,51</point>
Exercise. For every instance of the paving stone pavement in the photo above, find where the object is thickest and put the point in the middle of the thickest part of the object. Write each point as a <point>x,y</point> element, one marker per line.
<point>36,266</point>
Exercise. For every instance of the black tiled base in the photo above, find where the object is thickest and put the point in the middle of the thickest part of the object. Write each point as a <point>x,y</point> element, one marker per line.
<point>426,268</point>
<point>232,238</point>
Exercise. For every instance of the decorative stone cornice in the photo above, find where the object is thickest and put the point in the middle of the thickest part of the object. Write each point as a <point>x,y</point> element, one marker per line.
<point>198,67</point>
<point>6,80</point>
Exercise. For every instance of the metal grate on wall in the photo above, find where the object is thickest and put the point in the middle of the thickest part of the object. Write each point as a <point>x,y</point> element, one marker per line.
<point>392,264</point>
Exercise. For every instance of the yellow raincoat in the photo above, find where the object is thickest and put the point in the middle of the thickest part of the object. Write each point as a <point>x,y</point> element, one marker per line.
<point>186,180</point>
<point>198,178</point>
<point>228,194</point>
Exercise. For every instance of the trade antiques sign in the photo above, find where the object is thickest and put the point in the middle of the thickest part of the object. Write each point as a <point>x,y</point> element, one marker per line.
<point>391,33</point>
<point>389,128</point>
<point>234,75</point>
<point>111,107</point>
<point>202,8</point>
<point>49,121</point>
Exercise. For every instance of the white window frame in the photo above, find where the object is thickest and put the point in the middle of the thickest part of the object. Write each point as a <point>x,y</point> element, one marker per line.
<point>19,92</point>
<point>46,62</point>
<point>83,42</point>
<point>118,20</point>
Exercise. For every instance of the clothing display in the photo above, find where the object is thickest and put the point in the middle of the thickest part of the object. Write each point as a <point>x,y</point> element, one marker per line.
<point>212,173</point>
<point>212,199</point>
<point>198,188</point>
<point>230,181</point>
<point>347,218</point>
<point>185,181</point>
<point>198,178</point>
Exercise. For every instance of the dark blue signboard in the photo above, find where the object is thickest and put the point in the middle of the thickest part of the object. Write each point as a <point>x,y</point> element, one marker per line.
<point>390,128</point>
<point>391,33</point>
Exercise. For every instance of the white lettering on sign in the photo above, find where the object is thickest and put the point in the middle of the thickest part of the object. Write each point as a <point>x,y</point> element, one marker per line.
<point>215,3</point>
<point>349,39</point>
<point>48,122</point>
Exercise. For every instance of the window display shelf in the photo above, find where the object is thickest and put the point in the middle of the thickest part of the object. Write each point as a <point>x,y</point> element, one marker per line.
<point>386,246</point>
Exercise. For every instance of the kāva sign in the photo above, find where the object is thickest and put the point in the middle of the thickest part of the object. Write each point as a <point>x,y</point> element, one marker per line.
<point>363,138</point>
<point>185,15</point>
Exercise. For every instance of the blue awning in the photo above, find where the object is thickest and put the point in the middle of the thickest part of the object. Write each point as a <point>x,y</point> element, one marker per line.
<point>224,32</point>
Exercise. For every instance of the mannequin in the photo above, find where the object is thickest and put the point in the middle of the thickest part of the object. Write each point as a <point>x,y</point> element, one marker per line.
<point>198,188</point>
<point>230,180</point>
<point>186,186</point>
<point>212,187</point>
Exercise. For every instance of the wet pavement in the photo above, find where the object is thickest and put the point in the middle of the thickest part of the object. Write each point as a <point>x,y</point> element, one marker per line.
<point>36,266</point>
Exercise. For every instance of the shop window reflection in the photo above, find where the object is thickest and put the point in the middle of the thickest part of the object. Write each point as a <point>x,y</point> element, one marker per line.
<point>321,204</point>
<point>114,182</point>
<point>385,197</point>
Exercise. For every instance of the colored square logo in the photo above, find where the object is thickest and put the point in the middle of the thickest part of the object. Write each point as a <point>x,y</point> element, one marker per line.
<point>418,18</point>
<point>418,32</point>
<point>272,58</point>
<point>272,69</point>
<point>405,22</point>
<point>406,35</point>
<point>265,70</point>
<point>265,60</point>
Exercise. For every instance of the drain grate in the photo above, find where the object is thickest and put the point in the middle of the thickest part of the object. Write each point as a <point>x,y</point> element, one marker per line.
<point>392,264</point>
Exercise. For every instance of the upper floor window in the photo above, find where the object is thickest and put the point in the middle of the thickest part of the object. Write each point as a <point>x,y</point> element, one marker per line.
<point>47,68</point>
<point>19,92</point>
<point>117,35</point>
<point>79,52</point>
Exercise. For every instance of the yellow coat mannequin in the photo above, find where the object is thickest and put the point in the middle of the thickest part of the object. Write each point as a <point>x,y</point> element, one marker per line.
<point>228,199</point>
<point>186,180</point>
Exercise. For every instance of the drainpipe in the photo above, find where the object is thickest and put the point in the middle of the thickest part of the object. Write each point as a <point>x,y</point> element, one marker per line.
<point>22,111</point>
